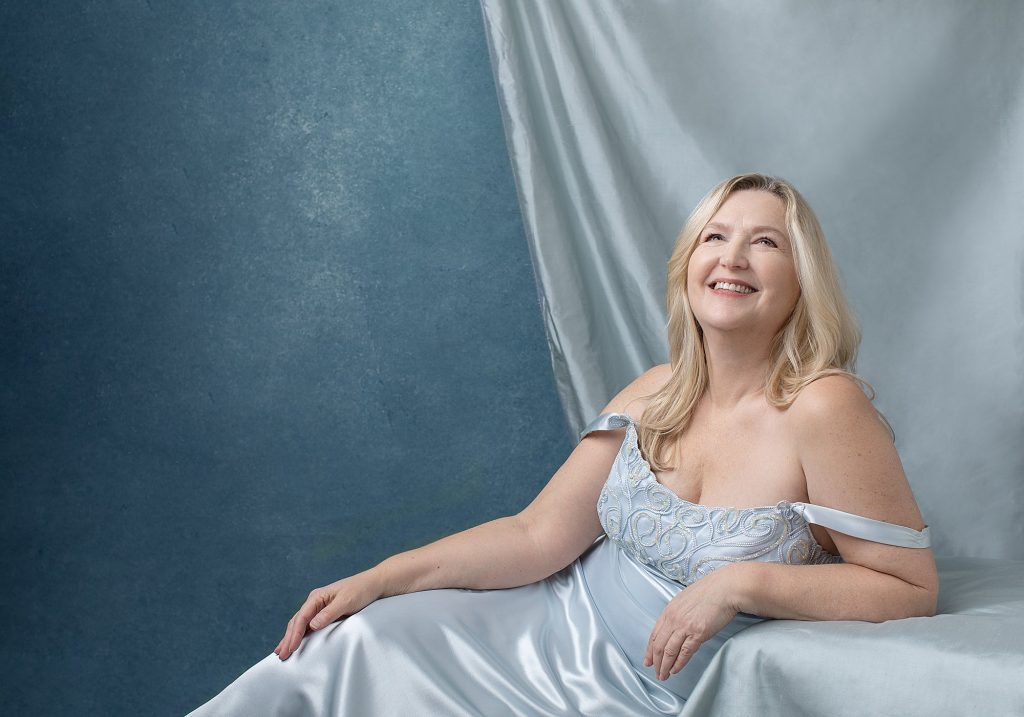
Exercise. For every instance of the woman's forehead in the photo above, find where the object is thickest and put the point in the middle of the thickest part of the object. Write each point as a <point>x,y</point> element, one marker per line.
<point>744,202</point>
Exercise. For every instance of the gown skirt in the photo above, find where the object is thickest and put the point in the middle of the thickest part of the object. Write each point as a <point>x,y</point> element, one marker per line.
<point>570,644</point>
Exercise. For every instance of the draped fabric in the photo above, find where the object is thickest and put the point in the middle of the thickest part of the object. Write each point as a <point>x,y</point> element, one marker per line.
<point>902,124</point>
<point>966,660</point>
<point>573,643</point>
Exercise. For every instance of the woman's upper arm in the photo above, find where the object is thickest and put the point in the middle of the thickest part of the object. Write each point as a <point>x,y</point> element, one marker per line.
<point>562,520</point>
<point>851,464</point>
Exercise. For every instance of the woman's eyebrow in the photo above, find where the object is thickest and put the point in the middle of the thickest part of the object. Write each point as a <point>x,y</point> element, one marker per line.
<point>726,227</point>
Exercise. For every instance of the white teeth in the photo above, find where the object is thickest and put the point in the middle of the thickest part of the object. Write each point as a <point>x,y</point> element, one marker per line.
<point>733,287</point>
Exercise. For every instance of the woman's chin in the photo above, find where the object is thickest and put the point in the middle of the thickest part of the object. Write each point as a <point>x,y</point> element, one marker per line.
<point>728,324</point>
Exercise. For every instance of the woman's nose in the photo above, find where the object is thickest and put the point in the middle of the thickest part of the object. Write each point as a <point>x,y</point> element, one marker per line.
<point>734,254</point>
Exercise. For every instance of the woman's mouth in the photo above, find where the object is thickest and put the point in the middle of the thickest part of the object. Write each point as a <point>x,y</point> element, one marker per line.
<point>725,288</point>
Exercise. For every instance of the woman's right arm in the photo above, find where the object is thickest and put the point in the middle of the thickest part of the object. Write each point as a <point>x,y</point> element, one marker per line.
<point>543,538</point>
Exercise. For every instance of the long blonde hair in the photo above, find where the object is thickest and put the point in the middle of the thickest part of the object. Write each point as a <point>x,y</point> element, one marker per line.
<point>820,337</point>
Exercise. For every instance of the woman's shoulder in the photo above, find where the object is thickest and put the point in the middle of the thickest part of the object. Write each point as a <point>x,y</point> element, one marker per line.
<point>633,399</point>
<point>830,401</point>
<point>829,391</point>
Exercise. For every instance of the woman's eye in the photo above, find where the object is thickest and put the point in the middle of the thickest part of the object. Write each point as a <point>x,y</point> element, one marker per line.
<point>769,240</point>
<point>709,237</point>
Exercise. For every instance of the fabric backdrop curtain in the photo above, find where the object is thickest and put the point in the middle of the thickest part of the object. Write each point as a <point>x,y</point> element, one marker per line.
<point>903,125</point>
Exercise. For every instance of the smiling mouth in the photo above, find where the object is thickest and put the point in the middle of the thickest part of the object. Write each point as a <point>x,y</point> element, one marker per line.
<point>729,289</point>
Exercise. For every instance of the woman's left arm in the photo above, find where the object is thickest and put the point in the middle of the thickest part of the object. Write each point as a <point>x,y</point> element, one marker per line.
<point>828,592</point>
<point>850,464</point>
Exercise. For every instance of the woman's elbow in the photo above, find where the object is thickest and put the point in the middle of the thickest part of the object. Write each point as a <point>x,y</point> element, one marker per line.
<point>932,604</point>
<point>925,602</point>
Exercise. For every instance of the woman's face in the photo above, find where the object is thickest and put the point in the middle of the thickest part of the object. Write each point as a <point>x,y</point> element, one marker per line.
<point>745,242</point>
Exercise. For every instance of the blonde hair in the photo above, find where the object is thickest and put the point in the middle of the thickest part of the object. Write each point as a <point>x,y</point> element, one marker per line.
<point>820,337</point>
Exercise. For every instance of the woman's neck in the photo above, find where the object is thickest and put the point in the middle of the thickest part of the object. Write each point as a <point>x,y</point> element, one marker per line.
<point>737,369</point>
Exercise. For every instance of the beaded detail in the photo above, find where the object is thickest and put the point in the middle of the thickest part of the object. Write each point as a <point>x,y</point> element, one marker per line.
<point>686,541</point>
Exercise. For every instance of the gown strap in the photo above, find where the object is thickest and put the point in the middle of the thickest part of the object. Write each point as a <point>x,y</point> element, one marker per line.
<point>856,525</point>
<point>607,421</point>
<point>860,527</point>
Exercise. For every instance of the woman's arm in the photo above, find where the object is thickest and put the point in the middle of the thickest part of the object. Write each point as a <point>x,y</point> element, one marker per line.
<point>502,553</point>
<point>496,554</point>
<point>543,538</point>
<point>547,535</point>
<point>827,592</point>
<point>851,464</point>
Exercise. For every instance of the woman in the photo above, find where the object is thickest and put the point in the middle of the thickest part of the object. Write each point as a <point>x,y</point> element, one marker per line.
<point>750,478</point>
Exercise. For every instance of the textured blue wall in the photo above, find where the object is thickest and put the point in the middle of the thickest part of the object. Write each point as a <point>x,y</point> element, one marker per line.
<point>268,317</point>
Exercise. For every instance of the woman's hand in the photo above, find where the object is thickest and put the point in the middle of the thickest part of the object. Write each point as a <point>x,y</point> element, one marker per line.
<point>694,615</point>
<point>327,604</point>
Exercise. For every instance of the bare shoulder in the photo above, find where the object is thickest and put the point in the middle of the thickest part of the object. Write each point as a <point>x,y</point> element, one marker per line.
<point>829,393</point>
<point>847,453</point>
<point>850,463</point>
<point>834,403</point>
<point>633,399</point>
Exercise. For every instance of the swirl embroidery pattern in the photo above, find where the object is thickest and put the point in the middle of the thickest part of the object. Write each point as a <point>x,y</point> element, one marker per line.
<point>686,541</point>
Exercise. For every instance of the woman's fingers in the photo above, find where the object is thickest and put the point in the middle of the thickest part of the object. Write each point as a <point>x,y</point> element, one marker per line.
<point>287,649</point>
<point>652,643</point>
<point>297,625</point>
<point>299,628</point>
<point>686,651</point>
<point>295,633</point>
<point>284,638</point>
<point>658,650</point>
<point>670,652</point>
<point>286,641</point>
<point>325,605</point>
<point>325,617</point>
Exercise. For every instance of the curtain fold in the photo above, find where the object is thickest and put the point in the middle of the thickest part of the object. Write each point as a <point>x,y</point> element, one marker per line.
<point>902,124</point>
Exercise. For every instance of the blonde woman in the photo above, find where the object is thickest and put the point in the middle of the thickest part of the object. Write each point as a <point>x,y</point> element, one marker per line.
<point>749,478</point>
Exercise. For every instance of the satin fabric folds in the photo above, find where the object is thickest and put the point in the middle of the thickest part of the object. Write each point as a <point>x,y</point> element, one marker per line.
<point>571,644</point>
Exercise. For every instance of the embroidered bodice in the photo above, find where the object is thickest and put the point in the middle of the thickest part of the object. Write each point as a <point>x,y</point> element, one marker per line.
<point>685,541</point>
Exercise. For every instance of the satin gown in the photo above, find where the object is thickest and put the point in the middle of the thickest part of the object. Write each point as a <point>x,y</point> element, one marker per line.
<point>571,644</point>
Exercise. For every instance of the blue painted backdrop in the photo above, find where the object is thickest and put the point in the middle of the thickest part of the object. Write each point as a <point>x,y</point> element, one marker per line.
<point>268,317</point>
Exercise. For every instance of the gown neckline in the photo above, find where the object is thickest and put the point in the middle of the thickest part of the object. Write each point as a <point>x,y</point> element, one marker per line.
<point>631,435</point>
<point>788,509</point>
<point>783,506</point>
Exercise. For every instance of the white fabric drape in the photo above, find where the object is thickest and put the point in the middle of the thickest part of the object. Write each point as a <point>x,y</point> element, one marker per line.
<point>902,124</point>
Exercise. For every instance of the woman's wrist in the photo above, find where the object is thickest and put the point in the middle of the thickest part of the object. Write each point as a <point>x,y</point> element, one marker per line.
<point>399,574</point>
<point>741,585</point>
<point>382,578</point>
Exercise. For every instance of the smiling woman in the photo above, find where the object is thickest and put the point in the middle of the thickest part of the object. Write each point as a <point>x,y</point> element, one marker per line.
<point>748,479</point>
<point>738,278</point>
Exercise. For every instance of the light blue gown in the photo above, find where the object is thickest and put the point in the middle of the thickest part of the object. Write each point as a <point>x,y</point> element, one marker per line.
<point>571,644</point>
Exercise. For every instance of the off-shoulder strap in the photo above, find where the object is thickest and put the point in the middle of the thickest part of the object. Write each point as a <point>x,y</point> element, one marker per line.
<point>856,525</point>
<point>860,527</point>
<point>607,421</point>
